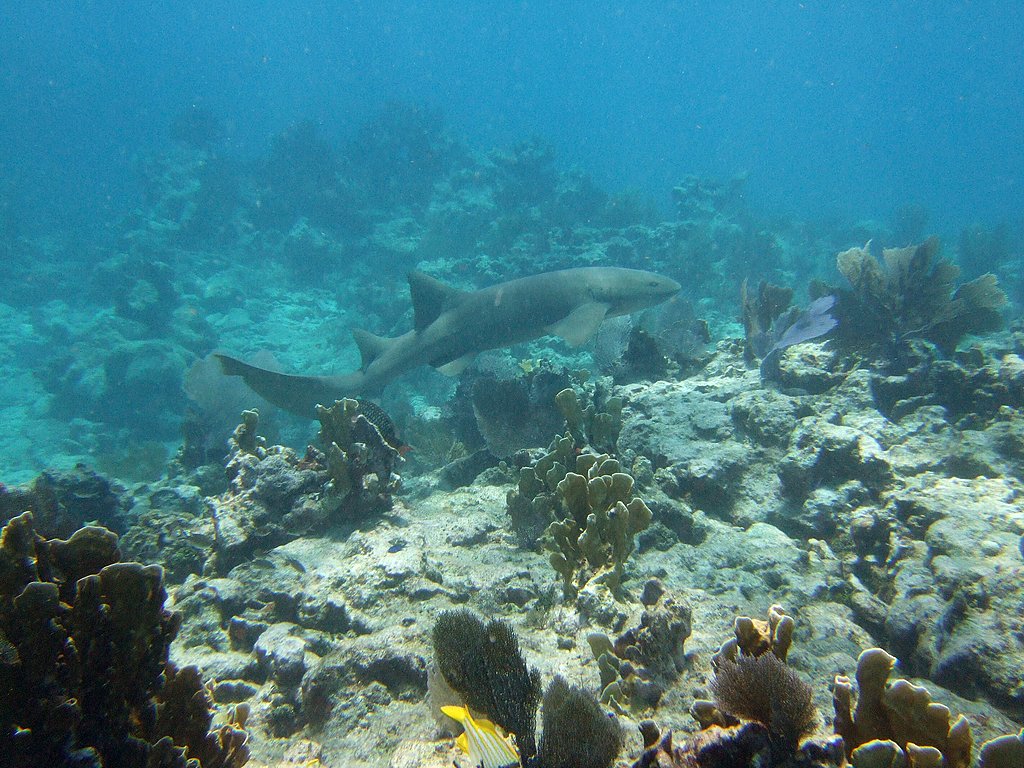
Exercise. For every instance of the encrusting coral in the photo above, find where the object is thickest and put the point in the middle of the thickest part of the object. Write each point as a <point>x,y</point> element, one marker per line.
<point>84,673</point>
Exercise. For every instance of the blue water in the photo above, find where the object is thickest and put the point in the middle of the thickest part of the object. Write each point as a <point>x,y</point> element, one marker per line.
<point>354,141</point>
<point>831,108</point>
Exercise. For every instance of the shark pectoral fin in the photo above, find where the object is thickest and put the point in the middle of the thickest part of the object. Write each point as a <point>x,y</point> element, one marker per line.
<point>580,324</point>
<point>458,365</point>
<point>370,345</point>
<point>430,297</point>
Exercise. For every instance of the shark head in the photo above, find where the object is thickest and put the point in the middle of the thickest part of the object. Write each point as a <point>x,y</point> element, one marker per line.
<point>630,290</point>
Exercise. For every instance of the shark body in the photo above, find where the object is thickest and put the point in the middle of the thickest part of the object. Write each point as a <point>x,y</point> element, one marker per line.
<point>452,326</point>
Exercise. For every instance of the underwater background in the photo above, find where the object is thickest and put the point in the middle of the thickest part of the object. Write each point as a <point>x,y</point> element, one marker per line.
<point>827,417</point>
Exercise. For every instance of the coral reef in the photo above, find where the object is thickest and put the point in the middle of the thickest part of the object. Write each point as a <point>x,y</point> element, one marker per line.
<point>639,665</point>
<point>85,671</point>
<point>752,682</point>
<point>484,669</point>
<point>749,744</point>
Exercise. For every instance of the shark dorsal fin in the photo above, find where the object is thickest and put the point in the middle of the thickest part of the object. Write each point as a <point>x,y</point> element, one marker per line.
<point>430,297</point>
<point>370,345</point>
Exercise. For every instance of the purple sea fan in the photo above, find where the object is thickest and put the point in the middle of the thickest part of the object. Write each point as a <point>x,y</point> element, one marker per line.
<point>797,327</point>
<point>809,324</point>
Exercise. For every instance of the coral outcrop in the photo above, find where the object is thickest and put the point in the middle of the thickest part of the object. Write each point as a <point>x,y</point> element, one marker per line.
<point>275,496</point>
<point>638,666</point>
<point>85,675</point>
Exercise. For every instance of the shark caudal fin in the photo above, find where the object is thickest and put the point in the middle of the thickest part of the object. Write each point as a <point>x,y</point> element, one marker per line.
<point>430,297</point>
<point>298,394</point>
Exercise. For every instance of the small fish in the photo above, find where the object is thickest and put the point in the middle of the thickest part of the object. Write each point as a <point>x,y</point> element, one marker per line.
<point>384,424</point>
<point>483,741</point>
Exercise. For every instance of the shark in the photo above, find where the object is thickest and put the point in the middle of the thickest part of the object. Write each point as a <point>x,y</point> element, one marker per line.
<point>452,326</point>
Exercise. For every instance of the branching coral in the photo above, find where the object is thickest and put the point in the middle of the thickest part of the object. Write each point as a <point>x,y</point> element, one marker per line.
<point>596,535</point>
<point>637,667</point>
<point>360,460</point>
<point>895,724</point>
<point>589,425</point>
<point>899,713</point>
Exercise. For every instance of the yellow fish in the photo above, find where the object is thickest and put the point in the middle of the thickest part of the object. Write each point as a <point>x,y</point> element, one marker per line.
<point>482,740</point>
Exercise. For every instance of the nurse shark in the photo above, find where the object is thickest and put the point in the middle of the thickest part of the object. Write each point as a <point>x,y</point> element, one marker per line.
<point>451,326</point>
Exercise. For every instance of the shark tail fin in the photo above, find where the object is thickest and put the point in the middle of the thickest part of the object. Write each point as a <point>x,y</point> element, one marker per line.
<point>371,346</point>
<point>430,297</point>
<point>298,394</point>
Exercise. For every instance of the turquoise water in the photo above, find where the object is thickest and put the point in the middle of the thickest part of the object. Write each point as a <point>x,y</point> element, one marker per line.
<point>184,179</point>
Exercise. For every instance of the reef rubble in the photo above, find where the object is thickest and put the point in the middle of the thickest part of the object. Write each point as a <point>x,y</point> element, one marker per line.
<point>882,510</point>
